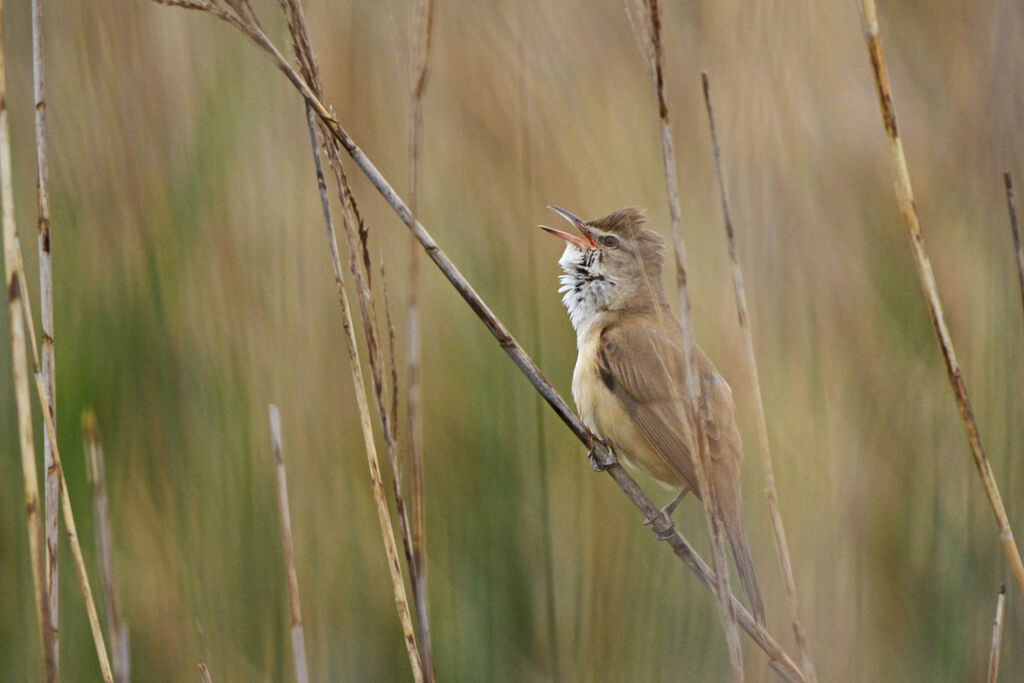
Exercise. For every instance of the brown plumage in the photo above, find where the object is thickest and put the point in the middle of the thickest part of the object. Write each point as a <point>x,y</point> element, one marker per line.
<point>630,378</point>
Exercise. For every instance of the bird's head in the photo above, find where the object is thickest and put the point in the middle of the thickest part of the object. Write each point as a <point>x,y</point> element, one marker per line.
<point>613,265</point>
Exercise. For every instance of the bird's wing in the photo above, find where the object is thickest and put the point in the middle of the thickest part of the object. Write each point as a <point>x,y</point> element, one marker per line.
<point>643,366</point>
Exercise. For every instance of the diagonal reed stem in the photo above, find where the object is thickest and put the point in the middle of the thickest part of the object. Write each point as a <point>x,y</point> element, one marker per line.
<point>645,16</point>
<point>661,525</point>
<point>298,641</point>
<point>52,498</point>
<point>1018,248</point>
<point>771,494</point>
<point>97,472</point>
<point>22,394</point>
<point>68,513</point>
<point>997,637</point>
<point>905,199</point>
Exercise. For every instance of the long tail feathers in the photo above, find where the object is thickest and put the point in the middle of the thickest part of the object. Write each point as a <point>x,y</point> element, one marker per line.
<point>745,566</point>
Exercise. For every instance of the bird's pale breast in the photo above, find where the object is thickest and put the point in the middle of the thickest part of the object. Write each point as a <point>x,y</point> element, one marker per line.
<point>604,415</point>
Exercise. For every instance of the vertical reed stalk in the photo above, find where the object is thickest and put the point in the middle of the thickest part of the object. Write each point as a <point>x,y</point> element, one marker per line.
<point>772,495</point>
<point>298,640</point>
<point>1018,248</point>
<point>905,199</point>
<point>52,499</point>
<point>646,19</point>
<point>997,637</point>
<point>204,673</point>
<point>97,472</point>
<point>22,394</point>
<point>422,35</point>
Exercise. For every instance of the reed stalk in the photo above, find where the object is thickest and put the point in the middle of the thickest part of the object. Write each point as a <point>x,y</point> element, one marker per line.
<point>1018,248</point>
<point>422,34</point>
<point>97,472</point>
<point>298,640</point>
<point>52,496</point>
<point>770,491</point>
<point>905,200</point>
<point>997,637</point>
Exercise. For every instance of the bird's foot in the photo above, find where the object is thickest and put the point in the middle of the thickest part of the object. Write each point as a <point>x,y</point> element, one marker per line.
<point>670,508</point>
<point>601,458</point>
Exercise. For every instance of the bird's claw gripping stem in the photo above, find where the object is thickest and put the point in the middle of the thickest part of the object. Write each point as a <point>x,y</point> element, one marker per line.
<point>597,463</point>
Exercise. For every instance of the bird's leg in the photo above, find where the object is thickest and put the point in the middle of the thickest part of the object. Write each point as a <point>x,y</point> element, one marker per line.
<point>599,462</point>
<point>670,508</point>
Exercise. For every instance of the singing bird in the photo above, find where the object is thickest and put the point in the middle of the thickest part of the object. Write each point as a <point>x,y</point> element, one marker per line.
<point>630,378</point>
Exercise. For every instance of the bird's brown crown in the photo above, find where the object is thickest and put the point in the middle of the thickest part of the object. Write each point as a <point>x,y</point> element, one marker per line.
<point>624,222</point>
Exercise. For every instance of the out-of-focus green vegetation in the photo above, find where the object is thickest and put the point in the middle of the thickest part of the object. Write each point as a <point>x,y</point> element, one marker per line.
<point>193,287</point>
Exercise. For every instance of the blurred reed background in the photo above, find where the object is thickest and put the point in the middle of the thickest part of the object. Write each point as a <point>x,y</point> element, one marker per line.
<point>193,287</point>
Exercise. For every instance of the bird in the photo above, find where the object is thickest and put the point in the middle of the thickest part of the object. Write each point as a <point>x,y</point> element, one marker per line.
<point>629,383</point>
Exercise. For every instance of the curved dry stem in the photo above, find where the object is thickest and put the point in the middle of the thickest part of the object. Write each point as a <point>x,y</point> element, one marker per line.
<point>905,199</point>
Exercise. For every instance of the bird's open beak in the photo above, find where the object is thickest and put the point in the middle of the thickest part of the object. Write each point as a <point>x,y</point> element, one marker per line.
<point>584,243</point>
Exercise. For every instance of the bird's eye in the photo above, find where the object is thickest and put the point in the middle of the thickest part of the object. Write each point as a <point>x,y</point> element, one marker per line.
<point>610,241</point>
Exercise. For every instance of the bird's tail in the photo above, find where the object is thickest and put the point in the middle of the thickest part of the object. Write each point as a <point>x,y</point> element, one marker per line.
<point>734,529</point>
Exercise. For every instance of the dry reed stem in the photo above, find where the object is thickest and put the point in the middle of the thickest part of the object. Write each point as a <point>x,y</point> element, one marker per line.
<point>392,363</point>
<point>905,199</point>
<point>357,234</point>
<point>204,673</point>
<point>69,516</point>
<point>422,35</point>
<point>97,472</point>
<point>307,62</point>
<point>1017,247</point>
<point>661,525</point>
<point>22,394</point>
<point>52,496</point>
<point>298,641</point>
<point>647,26</point>
<point>384,515</point>
<point>771,494</point>
<point>997,637</point>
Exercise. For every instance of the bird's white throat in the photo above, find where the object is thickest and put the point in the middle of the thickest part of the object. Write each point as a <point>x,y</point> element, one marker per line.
<point>585,289</point>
